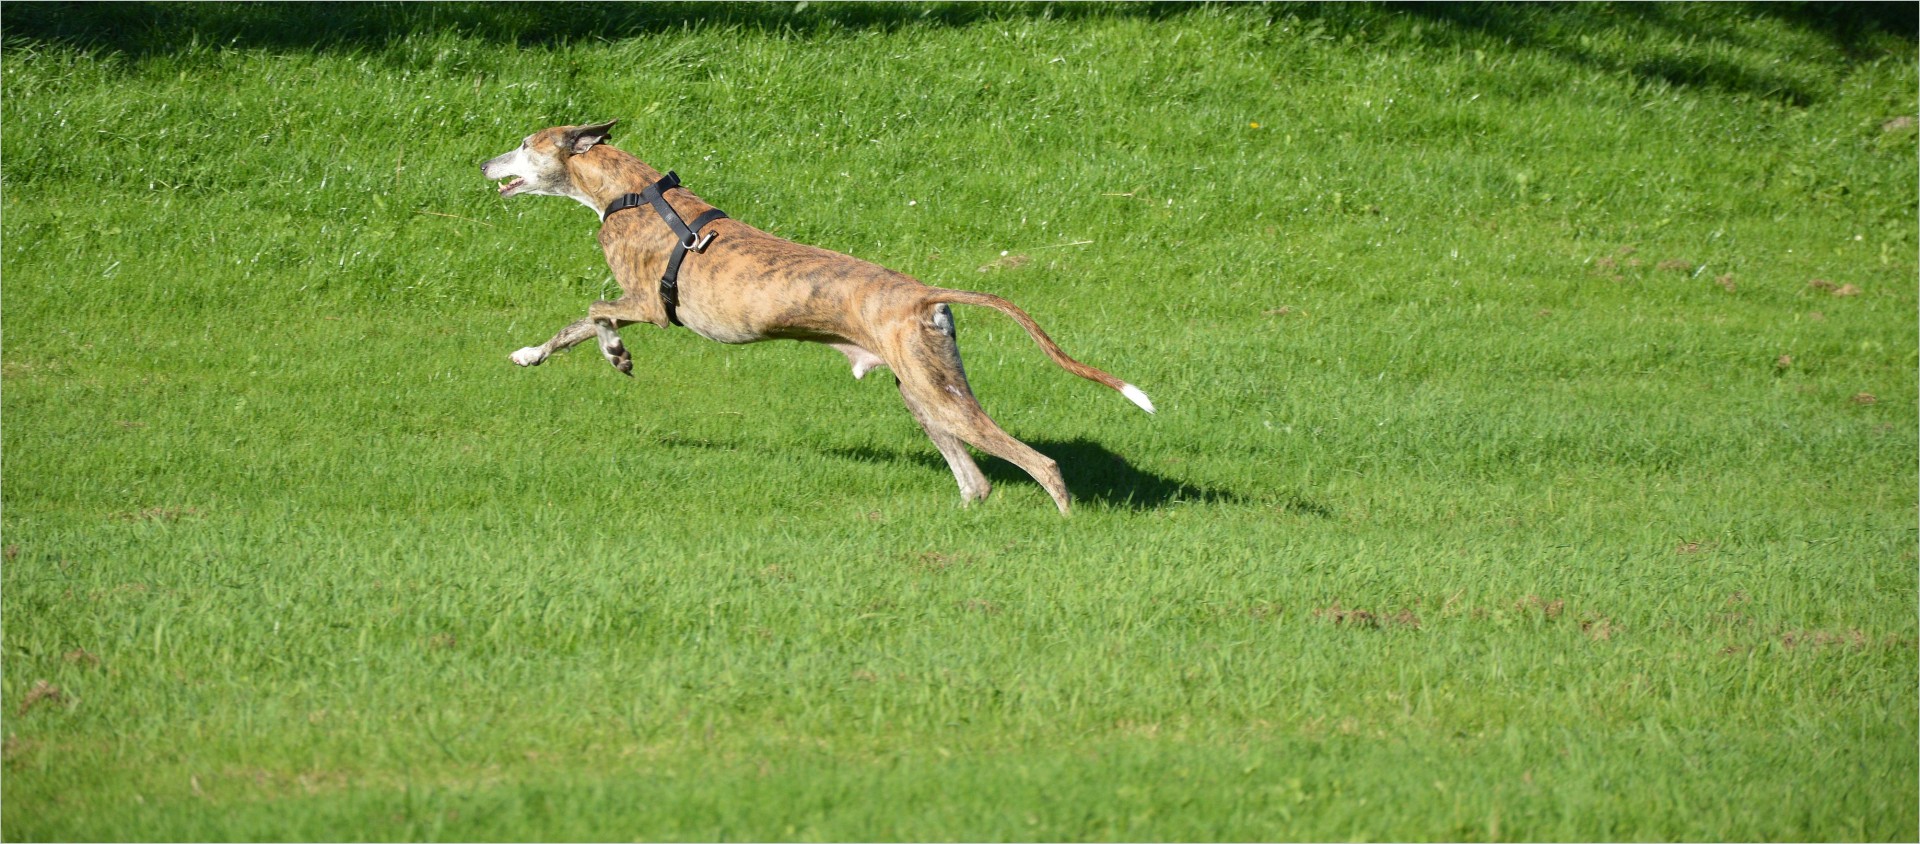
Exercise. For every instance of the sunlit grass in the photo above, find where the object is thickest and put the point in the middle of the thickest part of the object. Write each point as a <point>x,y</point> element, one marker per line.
<point>1535,455</point>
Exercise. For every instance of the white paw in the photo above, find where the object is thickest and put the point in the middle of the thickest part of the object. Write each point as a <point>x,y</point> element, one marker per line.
<point>529,356</point>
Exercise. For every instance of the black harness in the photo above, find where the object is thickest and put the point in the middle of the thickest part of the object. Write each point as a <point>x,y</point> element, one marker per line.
<point>687,237</point>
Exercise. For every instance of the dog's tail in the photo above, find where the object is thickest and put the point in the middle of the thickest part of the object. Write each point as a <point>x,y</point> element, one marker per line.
<point>969,297</point>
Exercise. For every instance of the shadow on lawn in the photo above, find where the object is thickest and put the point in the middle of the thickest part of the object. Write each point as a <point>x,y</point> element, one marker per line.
<point>1562,29</point>
<point>1094,475</point>
<point>147,29</point>
<point>143,29</point>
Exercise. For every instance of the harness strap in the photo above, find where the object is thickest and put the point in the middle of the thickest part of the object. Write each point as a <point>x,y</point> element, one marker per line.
<point>685,238</point>
<point>670,280</point>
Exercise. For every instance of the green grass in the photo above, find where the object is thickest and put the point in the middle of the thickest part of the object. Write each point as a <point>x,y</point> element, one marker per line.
<point>1512,478</point>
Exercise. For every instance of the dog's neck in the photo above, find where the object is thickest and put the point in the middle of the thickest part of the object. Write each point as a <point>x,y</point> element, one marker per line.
<point>603,174</point>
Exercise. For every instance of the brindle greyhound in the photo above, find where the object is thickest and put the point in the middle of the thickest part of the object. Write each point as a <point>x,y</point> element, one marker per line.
<point>747,286</point>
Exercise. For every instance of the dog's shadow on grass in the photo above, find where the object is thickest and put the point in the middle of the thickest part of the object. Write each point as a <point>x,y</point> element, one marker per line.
<point>1093,473</point>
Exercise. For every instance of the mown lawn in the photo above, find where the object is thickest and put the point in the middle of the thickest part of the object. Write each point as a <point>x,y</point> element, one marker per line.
<point>1535,458</point>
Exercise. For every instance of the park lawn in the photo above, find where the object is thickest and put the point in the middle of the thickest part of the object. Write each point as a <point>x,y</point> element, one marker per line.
<point>1535,457</point>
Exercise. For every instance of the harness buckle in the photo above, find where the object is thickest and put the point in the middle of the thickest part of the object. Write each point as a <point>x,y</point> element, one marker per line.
<point>696,243</point>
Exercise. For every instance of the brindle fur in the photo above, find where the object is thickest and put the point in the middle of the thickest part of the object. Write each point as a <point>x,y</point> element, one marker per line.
<point>749,286</point>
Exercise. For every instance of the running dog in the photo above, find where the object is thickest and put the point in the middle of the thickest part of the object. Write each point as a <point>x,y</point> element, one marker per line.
<point>744,285</point>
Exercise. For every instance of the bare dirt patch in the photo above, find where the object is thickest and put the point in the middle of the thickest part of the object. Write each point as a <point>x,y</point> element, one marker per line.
<point>1341,615</point>
<point>1006,262</point>
<point>1864,398</point>
<point>310,782</point>
<point>1265,610</point>
<point>80,656</point>
<point>1850,639</point>
<point>1599,628</point>
<point>1535,604</point>
<point>42,692</point>
<point>15,747</point>
<point>936,562</point>
<point>1367,619</point>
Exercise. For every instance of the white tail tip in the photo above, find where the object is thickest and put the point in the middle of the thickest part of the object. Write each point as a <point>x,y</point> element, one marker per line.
<point>1134,395</point>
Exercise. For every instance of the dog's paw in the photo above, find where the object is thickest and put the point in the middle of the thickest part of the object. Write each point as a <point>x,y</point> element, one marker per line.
<point>529,356</point>
<point>621,361</point>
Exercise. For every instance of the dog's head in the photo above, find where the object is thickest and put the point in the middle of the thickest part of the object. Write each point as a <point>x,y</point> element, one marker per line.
<point>539,166</point>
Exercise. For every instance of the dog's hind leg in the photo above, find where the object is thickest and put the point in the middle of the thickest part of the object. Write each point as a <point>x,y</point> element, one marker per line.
<point>973,485</point>
<point>568,337</point>
<point>935,386</point>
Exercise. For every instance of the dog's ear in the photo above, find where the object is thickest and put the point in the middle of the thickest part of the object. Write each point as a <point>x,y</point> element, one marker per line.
<point>582,138</point>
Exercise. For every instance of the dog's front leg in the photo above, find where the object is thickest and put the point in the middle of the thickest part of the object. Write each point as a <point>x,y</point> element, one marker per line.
<point>568,337</point>
<point>611,348</point>
<point>607,317</point>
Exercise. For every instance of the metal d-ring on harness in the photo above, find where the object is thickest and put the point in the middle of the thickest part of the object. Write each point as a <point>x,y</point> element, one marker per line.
<point>687,237</point>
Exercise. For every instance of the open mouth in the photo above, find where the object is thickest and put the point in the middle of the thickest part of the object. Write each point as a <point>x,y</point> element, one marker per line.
<point>512,187</point>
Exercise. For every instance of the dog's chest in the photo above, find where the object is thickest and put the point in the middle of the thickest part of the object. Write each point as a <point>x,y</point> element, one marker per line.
<point>719,331</point>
